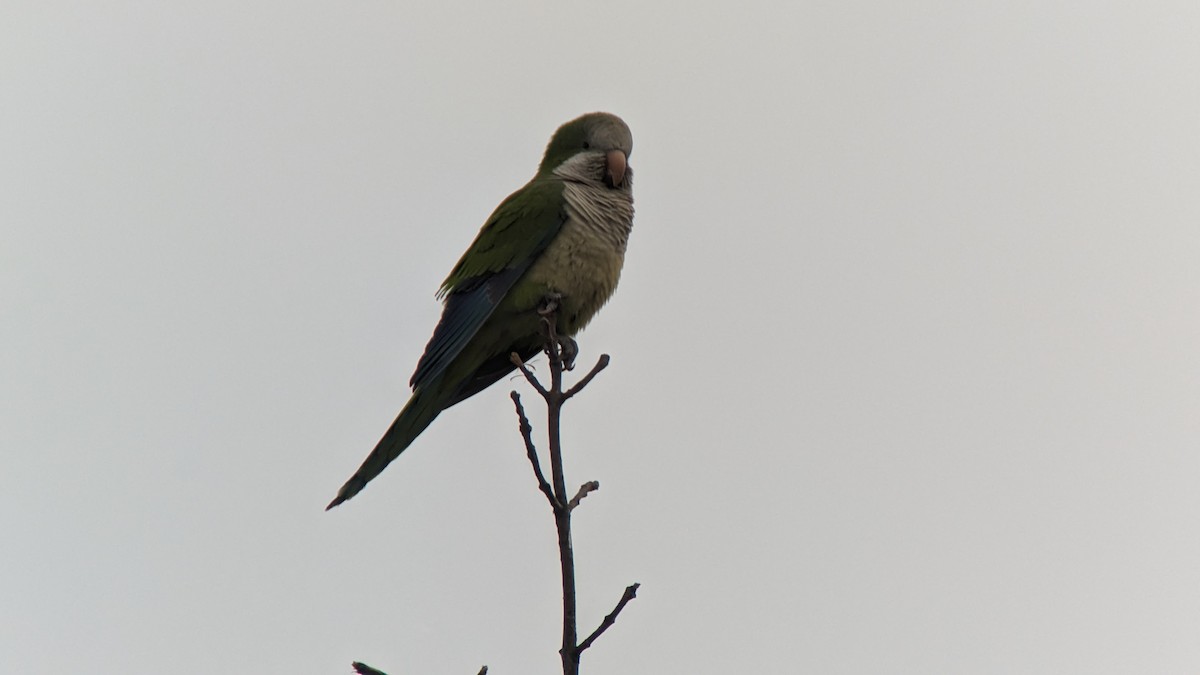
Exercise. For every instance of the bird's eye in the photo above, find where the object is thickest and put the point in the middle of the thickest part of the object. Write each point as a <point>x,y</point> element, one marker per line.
<point>586,145</point>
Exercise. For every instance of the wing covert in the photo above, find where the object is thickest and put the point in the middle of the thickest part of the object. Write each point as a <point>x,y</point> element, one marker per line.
<point>513,237</point>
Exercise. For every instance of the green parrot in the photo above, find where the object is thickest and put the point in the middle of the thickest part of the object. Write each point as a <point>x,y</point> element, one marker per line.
<point>560,239</point>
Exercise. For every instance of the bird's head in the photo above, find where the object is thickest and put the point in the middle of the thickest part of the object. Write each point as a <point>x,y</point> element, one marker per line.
<point>593,148</point>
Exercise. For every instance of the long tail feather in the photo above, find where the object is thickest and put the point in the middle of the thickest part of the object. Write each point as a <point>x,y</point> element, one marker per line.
<point>416,415</point>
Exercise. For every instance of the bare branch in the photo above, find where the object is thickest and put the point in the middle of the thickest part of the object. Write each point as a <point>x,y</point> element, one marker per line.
<point>584,490</point>
<point>561,354</point>
<point>630,593</point>
<point>600,365</point>
<point>527,434</point>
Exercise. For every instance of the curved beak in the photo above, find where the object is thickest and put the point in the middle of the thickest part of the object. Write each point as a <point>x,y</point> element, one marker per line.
<point>615,163</point>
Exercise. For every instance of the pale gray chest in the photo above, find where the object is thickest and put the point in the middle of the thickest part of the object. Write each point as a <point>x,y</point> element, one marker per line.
<point>584,261</point>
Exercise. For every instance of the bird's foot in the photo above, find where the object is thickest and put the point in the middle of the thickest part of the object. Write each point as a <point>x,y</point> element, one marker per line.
<point>549,304</point>
<point>569,349</point>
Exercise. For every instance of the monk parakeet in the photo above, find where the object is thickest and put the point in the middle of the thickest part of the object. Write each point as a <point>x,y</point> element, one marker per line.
<point>559,239</point>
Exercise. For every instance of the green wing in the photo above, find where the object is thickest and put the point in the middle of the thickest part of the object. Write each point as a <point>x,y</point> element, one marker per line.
<point>512,239</point>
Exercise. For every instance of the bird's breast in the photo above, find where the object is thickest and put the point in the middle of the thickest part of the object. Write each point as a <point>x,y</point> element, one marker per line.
<point>583,263</point>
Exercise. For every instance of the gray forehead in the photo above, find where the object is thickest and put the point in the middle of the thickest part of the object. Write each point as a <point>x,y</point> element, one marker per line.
<point>611,132</point>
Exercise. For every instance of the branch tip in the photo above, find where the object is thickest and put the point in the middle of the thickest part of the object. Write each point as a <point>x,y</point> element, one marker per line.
<point>531,452</point>
<point>584,490</point>
<point>629,594</point>
<point>601,364</point>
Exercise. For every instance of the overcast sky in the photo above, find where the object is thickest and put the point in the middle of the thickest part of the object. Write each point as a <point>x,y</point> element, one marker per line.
<point>906,355</point>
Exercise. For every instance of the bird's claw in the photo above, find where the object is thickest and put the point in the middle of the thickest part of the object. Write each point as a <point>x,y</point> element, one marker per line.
<point>569,350</point>
<point>549,304</point>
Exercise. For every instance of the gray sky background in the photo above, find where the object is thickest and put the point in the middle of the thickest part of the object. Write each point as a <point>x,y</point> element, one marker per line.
<point>905,369</point>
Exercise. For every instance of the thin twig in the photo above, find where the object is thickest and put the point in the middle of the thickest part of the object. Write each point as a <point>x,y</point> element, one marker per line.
<point>516,359</point>
<point>527,434</point>
<point>630,593</point>
<point>584,490</point>
<point>600,365</point>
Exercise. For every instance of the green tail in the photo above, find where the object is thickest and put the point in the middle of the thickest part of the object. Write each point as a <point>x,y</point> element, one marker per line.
<point>416,415</point>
